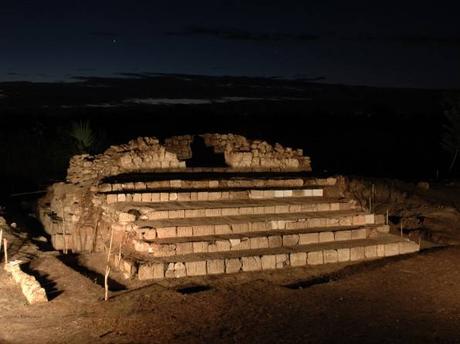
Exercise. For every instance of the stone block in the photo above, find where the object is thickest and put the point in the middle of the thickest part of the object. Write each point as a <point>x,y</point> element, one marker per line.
<point>268,262</point>
<point>146,197</point>
<point>151,271</point>
<point>137,197</point>
<point>184,248</point>
<point>196,268</point>
<point>290,240</point>
<point>200,246</point>
<point>232,265</point>
<point>121,197</point>
<point>258,242</point>
<point>357,253</point>
<point>308,238</point>
<point>215,266</point>
<point>342,235</point>
<point>240,227</point>
<point>326,236</point>
<point>282,260</point>
<point>275,241</point>
<point>315,258</point>
<point>343,254</point>
<point>381,250</point>
<point>126,217</point>
<point>391,249</point>
<point>330,256</point>
<point>222,245</point>
<point>408,247</point>
<point>370,251</point>
<point>112,198</point>
<point>298,258</point>
<point>369,219</point>
<point>184,231</point>
<point>251,263</point>
<point>358,234</point>
<point>203,230</point>
<point>173,196</point>
<point>166,232</point>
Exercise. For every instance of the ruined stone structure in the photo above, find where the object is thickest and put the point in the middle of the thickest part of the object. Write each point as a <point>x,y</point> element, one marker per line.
<point>261,211</point>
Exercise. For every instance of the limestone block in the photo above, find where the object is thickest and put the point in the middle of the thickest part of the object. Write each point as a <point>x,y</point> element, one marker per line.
<point>298,258</point>
<point>232,265</point>
<point>282,260</point>
<point>358,234</point>
<point>121,197</point>
<point>146,197</point>
<point>185,231</point>
<point>315,258</point>
<point>370,251</point>
<point>251,263</point>
<point>200,246</point>
<point>268,262</point>
<point>408,247</point>
<point>381,250</point>
<point>343,254</point>
<point>369,219</point>
<point>240,227</point>
<point>222,229</point>
<point>290,240</point>
<point>222,245</point>
<point>357,253</point>
<point>179,270</point>
<point>244,244</point>
<point>173,196</point>
<point>126,217</point>
<point>153,271</point>
<point>184,248</point>
<point>258,242</point>
<point>230,211</point>
<point>203,230</point>
<point>326,236</point>
<point>112,198</point>
<point>196,268</point>
<point>166,232</point>
<point>137,197</point>
<point>308,238</point>
<point>275,241</point>
<point>342,235</point>
<point>215,266</point>
<point>391,249</point>
<point>330,256</point>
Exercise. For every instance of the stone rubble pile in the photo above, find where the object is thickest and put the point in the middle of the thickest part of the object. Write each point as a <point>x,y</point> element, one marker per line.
<point>180,145</point>
<point>241,152</point>
<point>30,287</point>
<point>141,154</point>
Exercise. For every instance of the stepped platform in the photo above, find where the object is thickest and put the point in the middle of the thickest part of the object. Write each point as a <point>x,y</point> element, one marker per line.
<point>191,225</point>
<point>260,209</point>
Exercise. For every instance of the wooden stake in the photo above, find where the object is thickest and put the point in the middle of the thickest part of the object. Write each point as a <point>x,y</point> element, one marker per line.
<point>119,254</point>
<point>387,218</point>
<point>373,194</point>
<point>5,248</point>
<point>370,204</point>
<point>1,239</point>
<point>107,269</point>
<point>401,228</point>
<point>63,231</point>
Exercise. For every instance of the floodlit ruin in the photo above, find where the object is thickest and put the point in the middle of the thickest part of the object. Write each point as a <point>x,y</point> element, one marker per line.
<point>209,204</point>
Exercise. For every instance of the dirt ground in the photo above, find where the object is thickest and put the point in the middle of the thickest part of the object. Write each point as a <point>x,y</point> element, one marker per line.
<point>401,300</point>
<point>409,299</point>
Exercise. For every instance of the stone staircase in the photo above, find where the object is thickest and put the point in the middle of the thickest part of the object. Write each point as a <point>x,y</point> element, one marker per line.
<point>211,222</point>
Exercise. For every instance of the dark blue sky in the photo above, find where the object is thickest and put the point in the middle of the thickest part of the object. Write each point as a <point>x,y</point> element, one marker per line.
<point>391,43</point>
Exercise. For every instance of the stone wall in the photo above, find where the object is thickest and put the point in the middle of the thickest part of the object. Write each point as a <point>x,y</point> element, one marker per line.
<point>141,154</point>
<point>180,145</point>
<point>241,152</point>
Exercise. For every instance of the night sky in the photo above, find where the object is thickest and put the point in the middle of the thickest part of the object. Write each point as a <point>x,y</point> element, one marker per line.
<point>376,43</point>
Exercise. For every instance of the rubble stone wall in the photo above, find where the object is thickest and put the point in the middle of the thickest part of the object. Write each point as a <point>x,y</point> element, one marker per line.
<point>180,145</point>
<point>241,152</point>
<point>141,154</point>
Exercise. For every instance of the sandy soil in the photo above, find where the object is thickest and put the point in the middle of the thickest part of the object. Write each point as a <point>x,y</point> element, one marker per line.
<point>410,299</point>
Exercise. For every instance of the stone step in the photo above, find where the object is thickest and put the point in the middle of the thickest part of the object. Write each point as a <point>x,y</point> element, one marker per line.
<point>379,246</point>
<point>210,183</point>
<point>191,209</point>
<point>204,226</point>
<point>210,194</point>
<point>253,240</point>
